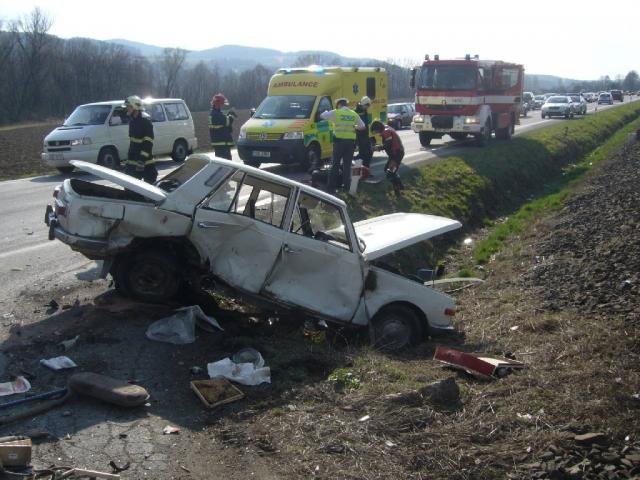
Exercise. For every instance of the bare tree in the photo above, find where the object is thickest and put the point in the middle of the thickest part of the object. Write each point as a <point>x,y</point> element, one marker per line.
<point>171,63</point>
<point>631,81</point>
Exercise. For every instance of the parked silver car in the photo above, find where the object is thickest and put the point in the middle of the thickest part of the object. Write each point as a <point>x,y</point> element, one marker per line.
<point>558,106</point>
<point>399,115</point>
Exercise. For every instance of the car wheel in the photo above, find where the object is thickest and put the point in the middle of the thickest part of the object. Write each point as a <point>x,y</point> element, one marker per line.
<point>109,158</point>
<point>148,276</point>
<point>252,163</point>
<point>180,151</point>
<point>395,327</point>
<point>542,115</point>
<point>65,170</point>
<point>425,138</point>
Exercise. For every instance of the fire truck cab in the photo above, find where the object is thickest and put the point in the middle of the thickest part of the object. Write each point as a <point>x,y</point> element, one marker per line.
<point>466,97</point>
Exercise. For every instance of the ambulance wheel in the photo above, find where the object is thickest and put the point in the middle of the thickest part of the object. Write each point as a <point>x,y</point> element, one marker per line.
<point>425,138</point>
<point>253,163</point>
<point>311,158</point>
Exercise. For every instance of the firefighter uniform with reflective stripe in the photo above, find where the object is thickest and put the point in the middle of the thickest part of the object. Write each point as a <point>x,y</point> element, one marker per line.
<point>140,162</point>
<point>345,122</point>
<point>220,128</point>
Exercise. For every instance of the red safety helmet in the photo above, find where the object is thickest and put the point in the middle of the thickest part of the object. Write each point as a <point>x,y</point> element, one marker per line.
<point>218,100</point>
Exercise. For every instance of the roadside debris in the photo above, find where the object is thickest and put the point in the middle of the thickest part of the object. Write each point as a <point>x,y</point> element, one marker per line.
<point>180,328</point>
<point>171,430</point>
<point>67,344</point>
<point>476,365</point>
<point>444,392</point>
<point>52,306</point>
<point>244,373</point>
<point>216,391</point>
<point>15,451</point>
<point>116,469</point>
<point>58,363</point>
<point>19,385</point>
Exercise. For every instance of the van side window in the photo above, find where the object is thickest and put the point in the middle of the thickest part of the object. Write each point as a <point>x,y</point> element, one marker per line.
<point>156,113</point>
<point>371,87</point>
<point>176,111</point>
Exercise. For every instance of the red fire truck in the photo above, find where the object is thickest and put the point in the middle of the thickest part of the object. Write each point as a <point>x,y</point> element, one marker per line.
<point>466,97</point>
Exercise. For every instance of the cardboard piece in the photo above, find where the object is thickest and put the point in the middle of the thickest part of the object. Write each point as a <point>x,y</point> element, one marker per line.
<point>216,391</point>
<point>16,453</point>
<point>475,364</point>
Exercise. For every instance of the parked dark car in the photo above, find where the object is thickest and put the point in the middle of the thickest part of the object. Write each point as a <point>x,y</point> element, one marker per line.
<point>400,114</point>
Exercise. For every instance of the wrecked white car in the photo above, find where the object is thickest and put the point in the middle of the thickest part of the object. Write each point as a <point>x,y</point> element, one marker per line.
<point>255,234</point>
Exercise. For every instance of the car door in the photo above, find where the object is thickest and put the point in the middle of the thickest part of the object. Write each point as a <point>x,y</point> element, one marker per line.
<point>240,229</point>
<point>161,129</point>
<point>324,128</point>
<point>318,269</point>
<point>119,131</point>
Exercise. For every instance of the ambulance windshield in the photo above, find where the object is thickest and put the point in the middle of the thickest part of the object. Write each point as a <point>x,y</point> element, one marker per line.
<point>286,107</point>
<point>447,77</point>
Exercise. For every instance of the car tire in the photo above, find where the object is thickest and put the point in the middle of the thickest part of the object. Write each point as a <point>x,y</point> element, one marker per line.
<point>542,115</point>
<point>425,138</point>
<point>180,151</point>
<point>150,276</point>
<point>395,327</point>
<point>109,158</point>
<point>65,170</point>
<point>252,163</point>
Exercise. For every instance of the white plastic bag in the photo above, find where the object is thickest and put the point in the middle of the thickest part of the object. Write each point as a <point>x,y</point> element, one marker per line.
<point>19,385</point>
<point>58,363</point>
<point>244,373</point>
<point>180,328</point>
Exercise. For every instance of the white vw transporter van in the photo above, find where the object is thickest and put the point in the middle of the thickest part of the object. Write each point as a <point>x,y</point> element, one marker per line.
<point>99,133</point>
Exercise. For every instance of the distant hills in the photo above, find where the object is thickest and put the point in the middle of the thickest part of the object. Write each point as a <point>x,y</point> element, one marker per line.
<point>240,58</point>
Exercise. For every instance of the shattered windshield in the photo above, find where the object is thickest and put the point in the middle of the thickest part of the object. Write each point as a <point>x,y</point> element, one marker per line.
<point>447,77</point>
<point>285,107</point>
<point>88,115</point>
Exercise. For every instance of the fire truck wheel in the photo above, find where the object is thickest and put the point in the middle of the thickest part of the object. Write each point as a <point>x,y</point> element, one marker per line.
<point>483,137</point>
<point>425,139</point>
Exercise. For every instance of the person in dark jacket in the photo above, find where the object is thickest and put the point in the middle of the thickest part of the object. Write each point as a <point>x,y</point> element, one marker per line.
<point>394,149</point>
<point>365,150</point>
<point>140,163</point>
<point>221,127</point>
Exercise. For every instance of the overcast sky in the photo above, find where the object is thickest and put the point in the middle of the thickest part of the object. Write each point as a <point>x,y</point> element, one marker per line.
<point>568,38</point>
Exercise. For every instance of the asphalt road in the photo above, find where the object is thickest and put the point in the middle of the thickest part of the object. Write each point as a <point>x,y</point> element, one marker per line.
<point>28,258</point>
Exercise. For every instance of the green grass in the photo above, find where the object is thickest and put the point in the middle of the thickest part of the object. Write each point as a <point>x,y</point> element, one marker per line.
<point>482,184</point>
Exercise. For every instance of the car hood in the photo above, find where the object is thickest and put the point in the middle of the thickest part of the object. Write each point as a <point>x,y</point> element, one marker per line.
<point>130,183</point>
<point>556,104</point>
<point>389,233</point>
<point>393,115</point>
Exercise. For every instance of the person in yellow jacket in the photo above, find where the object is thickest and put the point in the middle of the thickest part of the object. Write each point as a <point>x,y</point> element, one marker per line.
<point>345,123</point>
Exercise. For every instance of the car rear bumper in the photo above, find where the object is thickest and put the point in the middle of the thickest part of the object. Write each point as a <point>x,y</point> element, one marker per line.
<point>92,248</point>
<point>272,151</point>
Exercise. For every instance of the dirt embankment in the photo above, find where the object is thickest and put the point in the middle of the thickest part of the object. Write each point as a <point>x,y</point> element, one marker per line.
<point>21,145</point>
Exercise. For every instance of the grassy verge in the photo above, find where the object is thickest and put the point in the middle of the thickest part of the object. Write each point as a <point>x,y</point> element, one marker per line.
<point>553,195</point>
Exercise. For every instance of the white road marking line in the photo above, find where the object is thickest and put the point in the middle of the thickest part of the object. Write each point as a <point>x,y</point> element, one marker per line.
<point>28,249</point>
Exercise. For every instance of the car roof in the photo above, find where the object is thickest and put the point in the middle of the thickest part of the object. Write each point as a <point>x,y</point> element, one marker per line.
<point>147,101</point>
<point>268,176</point>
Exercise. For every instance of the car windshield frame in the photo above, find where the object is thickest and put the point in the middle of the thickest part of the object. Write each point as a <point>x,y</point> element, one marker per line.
<point>558,99</point>
<point>285,107</point>
<point>448,77</point>
<point>88,115</point>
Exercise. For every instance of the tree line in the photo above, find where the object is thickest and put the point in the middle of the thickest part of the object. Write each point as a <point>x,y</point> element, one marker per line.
<point>43,76</point>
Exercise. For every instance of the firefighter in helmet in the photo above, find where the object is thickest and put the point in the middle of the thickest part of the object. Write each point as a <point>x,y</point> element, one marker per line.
<point>220,127</point>
<point>140,163</point>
